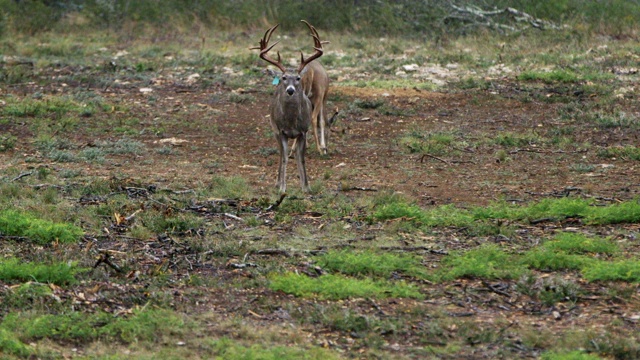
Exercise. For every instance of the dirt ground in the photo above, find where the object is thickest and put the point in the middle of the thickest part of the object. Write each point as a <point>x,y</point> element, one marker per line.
<point>225,138</point>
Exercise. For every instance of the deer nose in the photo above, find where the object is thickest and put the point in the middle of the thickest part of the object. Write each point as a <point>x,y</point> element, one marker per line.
<point>290,90</point>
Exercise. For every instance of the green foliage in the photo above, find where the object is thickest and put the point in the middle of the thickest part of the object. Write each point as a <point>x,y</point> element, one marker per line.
<point>576,243</point>
<point>436,144</point>
<point>7,142</point>
<point>550,259</point>
<point>550,76</point>
<point>11,345</point>
<point>14,223</point>
<point>234,187</point>
<point>572,355</point>
<point>449,215</point>
<point>402,17</point>
<point>143,325</point>
<point>370,264</point>
<point>627,152</point>
<point>509,139</point>
<point>487,261</point>
<point>334,287</point>
<point>13,269</point>
<point>227,349</point>
<point>624,270</point>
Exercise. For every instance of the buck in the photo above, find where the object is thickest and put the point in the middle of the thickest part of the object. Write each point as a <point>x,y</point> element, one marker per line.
<point>291,110</point>
<point>315,83</point>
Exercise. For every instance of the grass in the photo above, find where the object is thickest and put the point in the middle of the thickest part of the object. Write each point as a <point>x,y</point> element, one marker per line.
<point>14,269</point>
<point>335,287</point>
<point>487,262</point>
<point>142,326</point>
<point>22,225</point>
<point>558,209</point>
<point>229,349</point>
<point>370,264</point>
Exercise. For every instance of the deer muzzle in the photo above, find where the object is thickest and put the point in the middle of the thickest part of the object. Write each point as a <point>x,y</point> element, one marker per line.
<point>290,90</point>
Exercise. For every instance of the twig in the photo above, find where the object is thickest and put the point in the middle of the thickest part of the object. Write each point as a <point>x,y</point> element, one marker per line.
<point>414,248</point>
<point>497,291</point>
<point>359,188</point>
<point>539,151</point>
<point>433,157</point>
<point>233,217</point>
<point>105,258</point>
<point>277,203</point>
<point>22,175</point>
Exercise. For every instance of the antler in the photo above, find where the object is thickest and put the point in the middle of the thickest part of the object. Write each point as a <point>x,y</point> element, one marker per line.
<point>264,42</point>
<point>317,45</point>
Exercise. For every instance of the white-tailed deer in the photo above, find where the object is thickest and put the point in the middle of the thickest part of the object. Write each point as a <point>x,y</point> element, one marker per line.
<point>291,109</point>
<point>315,83</point>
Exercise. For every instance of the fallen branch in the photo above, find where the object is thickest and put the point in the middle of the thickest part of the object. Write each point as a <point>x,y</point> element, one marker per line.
<point>539,151</point>
<point>22,175</point>
<point>106,259</point>
<point>433,157</point>
<point>277,203</point>
<point>359,189</point>
<point>413,248</point>
<point>475,16</point>
<point>233,217</point>
<point>495,290</point>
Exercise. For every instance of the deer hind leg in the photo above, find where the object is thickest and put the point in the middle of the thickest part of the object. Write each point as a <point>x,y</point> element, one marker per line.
<point>282,167</point>
<point>301,146</point>
<point>318,129</point>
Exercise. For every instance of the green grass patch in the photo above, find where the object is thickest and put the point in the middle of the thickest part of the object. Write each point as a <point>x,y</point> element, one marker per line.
<point>558,209</point>
<point>371,264</point>
<point>576,243</point>
<point>390,84</point>
<point>549,259</point>
<point>229,349</point>
<point>335,287</point>
<point>549,76</point>
<point>234,187</point>
<point>624,270</point>
<point>11,345</point>
<point>14,223</point>
<point>13,269</point>
<point>144,325</point>
<point>487,262</point>
<point>627,152</point>
<point>572,355</point>
<point>48,106</point>
<point>436,144</point>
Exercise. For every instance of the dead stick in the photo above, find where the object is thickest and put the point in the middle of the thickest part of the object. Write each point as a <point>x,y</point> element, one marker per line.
<point>433,157</point>
<point>277,203</point>
<point>22,175</point>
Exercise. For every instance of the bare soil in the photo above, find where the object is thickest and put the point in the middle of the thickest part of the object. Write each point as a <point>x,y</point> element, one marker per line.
<point>224,138</point>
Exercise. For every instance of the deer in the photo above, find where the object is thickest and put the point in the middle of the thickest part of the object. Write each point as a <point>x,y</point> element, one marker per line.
<point>290,109</point>
<point>315,83</point>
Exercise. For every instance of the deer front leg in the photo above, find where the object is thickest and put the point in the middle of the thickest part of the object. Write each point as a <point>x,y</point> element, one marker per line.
<point>301,146</point>
<point>282,167</point>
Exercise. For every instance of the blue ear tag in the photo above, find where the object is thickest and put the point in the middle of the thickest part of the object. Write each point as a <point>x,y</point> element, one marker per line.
<point>276,81</point>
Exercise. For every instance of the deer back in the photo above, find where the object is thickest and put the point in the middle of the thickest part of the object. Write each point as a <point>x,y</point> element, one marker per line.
<point>315,82</point>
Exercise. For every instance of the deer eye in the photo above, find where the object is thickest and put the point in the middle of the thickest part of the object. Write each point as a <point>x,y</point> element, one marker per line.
<point>284,77</point>
<point>298,78</point>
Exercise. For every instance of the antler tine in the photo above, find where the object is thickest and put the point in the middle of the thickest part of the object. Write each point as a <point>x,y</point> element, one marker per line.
<point>265,48</point>
<point>317,46</point>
